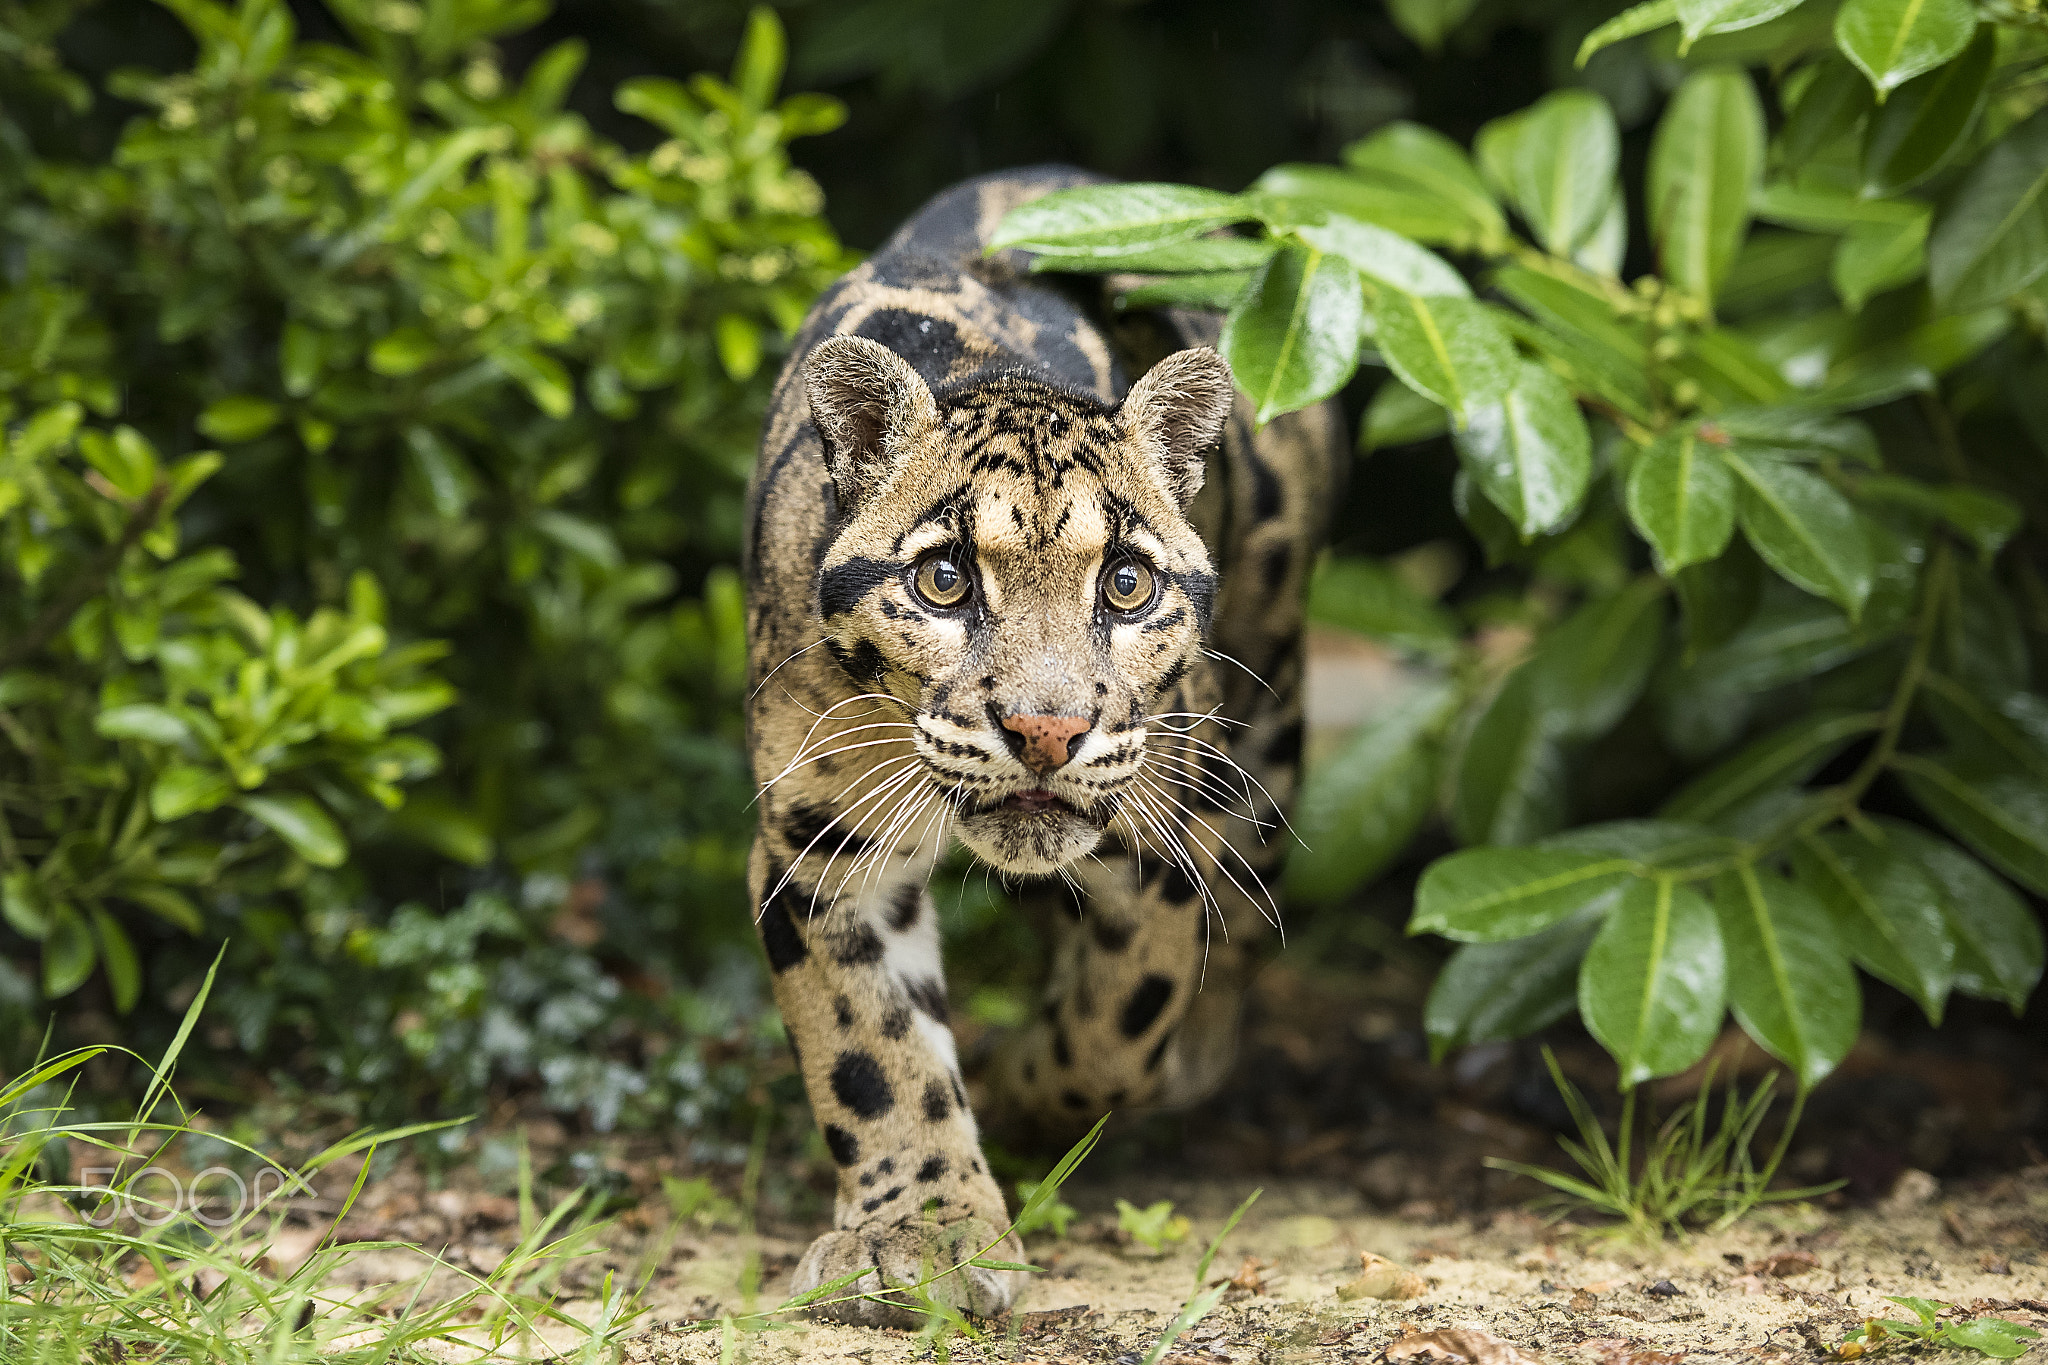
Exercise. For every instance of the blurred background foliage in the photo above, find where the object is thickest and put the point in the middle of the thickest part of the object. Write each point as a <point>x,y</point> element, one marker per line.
<point>379,387</point>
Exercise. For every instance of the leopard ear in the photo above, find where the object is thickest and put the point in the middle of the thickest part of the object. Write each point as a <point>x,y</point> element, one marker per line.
<point>869,405</point>
<point>1178,409</point>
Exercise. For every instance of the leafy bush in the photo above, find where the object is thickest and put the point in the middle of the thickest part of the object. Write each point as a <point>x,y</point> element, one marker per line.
<point>1762,525</point>
<point>478,390</point>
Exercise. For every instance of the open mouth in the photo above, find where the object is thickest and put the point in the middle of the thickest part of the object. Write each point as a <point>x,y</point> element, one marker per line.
<point>1037,801</point>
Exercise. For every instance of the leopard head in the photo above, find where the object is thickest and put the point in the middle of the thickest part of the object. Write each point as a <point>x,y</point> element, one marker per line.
<point>1013,565</point>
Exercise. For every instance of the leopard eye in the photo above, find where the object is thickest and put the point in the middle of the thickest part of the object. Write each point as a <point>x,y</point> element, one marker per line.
<point>1128,586</point>
<point>941,581</point>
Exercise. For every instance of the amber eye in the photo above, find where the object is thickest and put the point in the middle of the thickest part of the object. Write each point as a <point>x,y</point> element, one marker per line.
<point>1128,586</point>
<point>941,581</point>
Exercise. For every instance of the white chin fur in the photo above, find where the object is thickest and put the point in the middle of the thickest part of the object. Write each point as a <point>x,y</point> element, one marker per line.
<point>1034,845</point>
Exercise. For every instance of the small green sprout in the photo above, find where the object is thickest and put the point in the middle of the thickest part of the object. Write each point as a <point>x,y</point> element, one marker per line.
<point>1051,1215</point>
<point>1987,1336</point>
<point>699,1201</point>
<point>1155,1227</point>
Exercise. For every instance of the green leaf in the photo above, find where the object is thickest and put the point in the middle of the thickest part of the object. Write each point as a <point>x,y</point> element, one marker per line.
<point>143,721</point>
<point>757,70</point>
<point>240,418</point>
<point>1429,22</point>
<point>1490,895</point>
<point>1987,519</point>
<point>181,790</point>
<point>1792,988</point>
<point>1990,239</point>
<point>1431,166</point>
<point>1093,220</point>
<point>68,953</point>
<point>1384,257</point>
<point>1658,845</point>
<point>1293,338</point>
<point>1892,41</point>
<point>1699,18</point>
<point>1580,328</point>
<point>403,352</point>
<point>1530,452</point>
<point>1398,415</point>
<point>1491,992</point>
<point>1681,497</point>
<point>1993,1337</point>
<point>1886,911</point>
<point>1718,597</point>
<point>1835,101</point>
<point>1654,984</point>
<point>1879,256</point>
<point>303,824</point>
<point>1998,945</point>
<point>1449,350</point>
<point>165,903</point>
<point>1804,529</point>
<point>1984,731</point>
<point>117,952</point>
<point>1216,290</point>
<point>2003,815</point>
<point>1361,805</point>
<point>1590,670</point>
<point>1637,19</point>
<point>23,906</point>
<point>1555,161</point>
<point>1369,598</point>
<point>1509,777</point>
<point>1705,161</point>
<point>1298,194</point>
<point>1786,757</point>
<point>1927,121</point>
<point>738,341</point>
<point>124,457</point>
<point>1216,252</point>
<point>543,377</point>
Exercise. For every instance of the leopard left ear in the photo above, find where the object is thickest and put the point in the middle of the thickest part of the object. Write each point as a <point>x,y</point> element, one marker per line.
<point>870,406</point>
<point>1178,409</point>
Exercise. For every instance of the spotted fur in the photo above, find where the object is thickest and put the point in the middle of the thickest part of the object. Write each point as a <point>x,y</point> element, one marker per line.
<point>1129,767</point>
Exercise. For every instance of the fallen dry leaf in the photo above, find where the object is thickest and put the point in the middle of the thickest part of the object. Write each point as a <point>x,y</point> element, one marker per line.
<point>1380,1278</point>
<point>1251,1276</point>
<point>1785,1264</point>
<point>1604,1286</point>
<point>1582,1302</point>
<point>1464,1345</point>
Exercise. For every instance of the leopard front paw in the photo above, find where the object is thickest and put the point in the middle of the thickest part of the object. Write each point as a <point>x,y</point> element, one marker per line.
<point>895,1256</point>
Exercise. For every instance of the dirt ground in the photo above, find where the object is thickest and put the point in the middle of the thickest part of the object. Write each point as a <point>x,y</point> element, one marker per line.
<point>1773,1289</point>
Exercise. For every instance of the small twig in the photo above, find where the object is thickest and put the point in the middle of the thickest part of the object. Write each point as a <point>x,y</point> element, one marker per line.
<point>92,580</point>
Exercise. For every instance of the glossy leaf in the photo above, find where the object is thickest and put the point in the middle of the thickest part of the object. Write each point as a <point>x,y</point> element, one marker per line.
<point>2003,815</point>
<point>1699,18</point>
<point>1926,122</point>
<point>1785,757</point>
<point>1892,41</point>
<point>1886,911</point>
<point>1385,257</point>
<point>1717,597</point>
<point>1295,194</point>
<point>1293,339</point>
<point>1555,161</point>
<point>183,789</point>
<point>1398,415</point>
<point>1681,497</point>
<point>1508,785</point>
<point>1590,670</point>
<point>1998,944</point>
<point>1990,239</point>
<point>1429,164</point>
<point>117,954</point>
<point>302,823</point>
<point>1490,895</point>
<point>1985,518</point>
<point>1490,992</point>
<point>1449,350</point>
<point>1804,529</point>
<point>1705,161</point>
<point>1195,255</point>
<point>1789,981</point>
<point>68,952</point>
<point>1833,103</point>
<point>1369,598</point>
<point>1530,453</point>
<point>1877,257</point>
<point>1429,22</point>
<point>1653,986</point>
<point>1647,17</point>
<point>1361,805</point>
<point>1108,220</point>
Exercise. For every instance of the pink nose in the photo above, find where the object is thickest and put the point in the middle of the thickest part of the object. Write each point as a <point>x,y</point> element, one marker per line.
<point>1045,739</point>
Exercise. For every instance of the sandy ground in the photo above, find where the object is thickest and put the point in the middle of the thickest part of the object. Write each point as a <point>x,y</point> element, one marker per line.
<point>1776,1288</point>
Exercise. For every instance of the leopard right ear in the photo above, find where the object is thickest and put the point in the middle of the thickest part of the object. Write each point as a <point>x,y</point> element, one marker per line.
<point>870,407</point>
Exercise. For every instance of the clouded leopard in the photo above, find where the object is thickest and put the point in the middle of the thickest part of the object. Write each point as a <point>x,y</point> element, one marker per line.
<point>1021,575</point>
